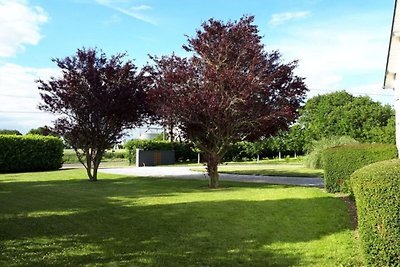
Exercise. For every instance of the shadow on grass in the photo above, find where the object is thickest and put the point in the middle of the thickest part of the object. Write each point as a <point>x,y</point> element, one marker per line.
<point>74,222</point>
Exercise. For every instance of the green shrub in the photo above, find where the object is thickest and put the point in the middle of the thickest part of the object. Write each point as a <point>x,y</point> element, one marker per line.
<point>184,152</point>
<point>118,154</point>
<point>238,152</point>
<point>30,153</point>
<point>244,150</point>
<point>9,132</point>
<point>377,192</point>
<point>341,161</point>
<point>314,157</point>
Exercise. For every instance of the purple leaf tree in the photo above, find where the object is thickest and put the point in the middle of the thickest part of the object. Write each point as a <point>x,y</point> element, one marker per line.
<point>97,98</point>
<point>230,89</point>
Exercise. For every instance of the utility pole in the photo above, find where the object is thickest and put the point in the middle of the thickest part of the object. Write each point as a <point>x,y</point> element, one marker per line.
<point>392,76</point>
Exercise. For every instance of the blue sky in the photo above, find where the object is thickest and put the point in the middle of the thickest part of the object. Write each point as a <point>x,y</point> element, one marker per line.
<point>340,44</point>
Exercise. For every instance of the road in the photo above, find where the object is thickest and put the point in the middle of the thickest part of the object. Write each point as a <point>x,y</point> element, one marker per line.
<point>186,173</point>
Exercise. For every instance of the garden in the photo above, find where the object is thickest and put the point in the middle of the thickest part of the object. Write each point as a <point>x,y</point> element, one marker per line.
<point>238,107</point>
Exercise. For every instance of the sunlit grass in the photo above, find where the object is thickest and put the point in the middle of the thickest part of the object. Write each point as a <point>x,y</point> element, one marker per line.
<point>59,218</point>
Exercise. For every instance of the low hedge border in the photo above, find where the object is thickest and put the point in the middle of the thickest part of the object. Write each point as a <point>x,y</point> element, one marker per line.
<point>30,153</point>
<point>341,161</point>
<point>377,192</point>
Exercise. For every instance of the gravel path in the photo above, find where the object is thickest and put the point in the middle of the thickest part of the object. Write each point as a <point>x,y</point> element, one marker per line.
<point>186,173</point>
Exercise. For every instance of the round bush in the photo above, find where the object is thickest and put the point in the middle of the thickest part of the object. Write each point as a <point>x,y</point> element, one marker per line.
<point>377,192</point>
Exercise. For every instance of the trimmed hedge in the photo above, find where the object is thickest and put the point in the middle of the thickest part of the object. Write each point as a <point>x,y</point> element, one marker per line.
<point>341,161</point>
<point>30,153</point>
<point>377,192</point>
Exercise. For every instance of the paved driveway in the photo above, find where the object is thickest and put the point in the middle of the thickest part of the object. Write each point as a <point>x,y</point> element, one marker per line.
<point>186,173</point>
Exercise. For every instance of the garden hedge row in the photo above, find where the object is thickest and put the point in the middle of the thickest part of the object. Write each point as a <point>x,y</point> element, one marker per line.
<point>341,161</point>
<point>377,192</point>
<point>30,153</point>
<point>183,151</point>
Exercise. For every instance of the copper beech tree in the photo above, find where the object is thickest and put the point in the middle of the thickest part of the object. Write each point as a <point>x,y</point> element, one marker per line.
<point>97,98</point>
<point>229,89</point>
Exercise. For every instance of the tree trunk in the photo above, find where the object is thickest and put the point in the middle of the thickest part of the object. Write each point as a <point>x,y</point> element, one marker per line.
<point>96,163</point>
<point>89,166</point>
<point>89,173</point>
<point>95,168</point>
<point>93,159</point>
<point>212,169</point>
<point>171,133</point>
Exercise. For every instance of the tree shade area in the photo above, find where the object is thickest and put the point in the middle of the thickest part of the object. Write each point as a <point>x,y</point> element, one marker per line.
<point>97,98</point>
<point>230,90</point>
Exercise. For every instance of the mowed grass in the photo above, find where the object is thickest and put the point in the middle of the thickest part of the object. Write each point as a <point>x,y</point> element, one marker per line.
<point>288,169</point>
<point>60,219</point>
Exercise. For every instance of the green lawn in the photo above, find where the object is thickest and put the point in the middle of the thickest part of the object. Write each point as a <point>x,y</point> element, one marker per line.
<point>60,219</point>
<point>281,169</point>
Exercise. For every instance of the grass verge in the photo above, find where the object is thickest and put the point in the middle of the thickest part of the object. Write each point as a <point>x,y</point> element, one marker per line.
<point>60,219</point>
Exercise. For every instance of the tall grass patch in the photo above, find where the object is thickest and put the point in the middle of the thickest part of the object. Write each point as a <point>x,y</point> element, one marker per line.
<point>314,157</point>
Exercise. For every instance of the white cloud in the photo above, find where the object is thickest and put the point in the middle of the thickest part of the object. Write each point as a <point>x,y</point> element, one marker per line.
<point>114,19</point>
<point>281,18</point>
<point>340,53</point>
<point>141,7</point>
<point>19,26</point>
<point>124,7</point>
<point>19,97</point>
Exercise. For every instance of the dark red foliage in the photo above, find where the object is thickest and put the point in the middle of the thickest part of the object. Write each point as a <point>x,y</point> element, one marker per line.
<point>231,89</point>
<point>97,98</point>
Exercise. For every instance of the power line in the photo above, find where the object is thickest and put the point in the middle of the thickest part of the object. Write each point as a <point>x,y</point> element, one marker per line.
<point>23,112</point>
<point>353,92</point>
<point>18,96</point>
